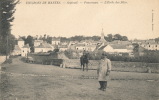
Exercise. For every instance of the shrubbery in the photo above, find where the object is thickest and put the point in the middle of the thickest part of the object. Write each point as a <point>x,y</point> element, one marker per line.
<point>149,56</point>
<point>71,54</point>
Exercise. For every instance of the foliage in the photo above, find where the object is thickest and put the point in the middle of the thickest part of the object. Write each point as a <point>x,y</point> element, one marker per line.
<point>157,39</point>
<point>136,47</point>
<point>6,15</point>
<point>119,37</point>
<point>109,38</point>
<point>95,55</point>
<point>49,39</point>
<point>71,54</point>
<point>149,57</point>
<point>29,40</point>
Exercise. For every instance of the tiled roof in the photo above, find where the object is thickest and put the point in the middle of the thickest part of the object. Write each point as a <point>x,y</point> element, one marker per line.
<point>17,47</point>
<point>44,45</point>
<point>26,46</point>
<point>102,47</point>
<point>118,46</point>
<point>63,46</point>
<point>120,42</point>
<point>38,40</point>
<point>79,45</point>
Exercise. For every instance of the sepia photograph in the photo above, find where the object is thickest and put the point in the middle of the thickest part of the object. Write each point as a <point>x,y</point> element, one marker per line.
<point>79,49</point>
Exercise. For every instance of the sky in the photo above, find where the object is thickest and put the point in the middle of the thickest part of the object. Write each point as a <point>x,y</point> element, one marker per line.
<point>132,18</point>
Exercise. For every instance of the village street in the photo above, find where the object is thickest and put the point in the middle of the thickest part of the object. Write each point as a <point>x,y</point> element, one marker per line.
<point>24,81</point>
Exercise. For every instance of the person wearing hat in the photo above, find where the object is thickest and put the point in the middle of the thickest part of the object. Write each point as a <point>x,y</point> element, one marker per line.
<point>103,71</point>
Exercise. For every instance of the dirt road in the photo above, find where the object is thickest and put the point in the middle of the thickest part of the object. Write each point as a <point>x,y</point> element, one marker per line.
<point>23,81</point>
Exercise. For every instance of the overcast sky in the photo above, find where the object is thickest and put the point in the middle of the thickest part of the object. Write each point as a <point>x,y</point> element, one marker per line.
<point>132,19</point>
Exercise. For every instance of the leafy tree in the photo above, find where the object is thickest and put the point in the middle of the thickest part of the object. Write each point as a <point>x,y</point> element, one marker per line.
<point>117,37</point>
<point>6,15</point>
<point>95,38</point>
<point>109,37</point>
<point>64,39</point>
<point>157,39</point>
<point>23,37</point>
<point>29,40</point>
<point>49,39</point>
<point>77,38</point>
<point>124,38</point>
<point>136,49</point>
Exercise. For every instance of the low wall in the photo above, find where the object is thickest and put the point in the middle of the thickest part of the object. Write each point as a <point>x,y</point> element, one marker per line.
<point>117,66</point>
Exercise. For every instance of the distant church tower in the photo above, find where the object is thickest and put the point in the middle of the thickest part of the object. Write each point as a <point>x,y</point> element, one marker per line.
<point>102,39</point>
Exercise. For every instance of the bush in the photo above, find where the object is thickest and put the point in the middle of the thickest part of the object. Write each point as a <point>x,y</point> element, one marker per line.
<point>71,54</point>
<point>150,57</point>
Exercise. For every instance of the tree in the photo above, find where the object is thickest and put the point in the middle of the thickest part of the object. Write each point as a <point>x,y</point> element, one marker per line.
<point>95,38</point>
<point>136,49</point>
<point>157,39</point>
<point>6,17</point>
<point>109,38</point>
<point>49,39</point>
<point>124,38</point>
<point>77,38</point>
<point>64,39</point>
<point>117,37</point>
<point>23,37</point>
<point>29,40</point>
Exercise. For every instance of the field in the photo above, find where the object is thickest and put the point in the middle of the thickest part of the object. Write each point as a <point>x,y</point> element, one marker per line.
<point>25,81</point>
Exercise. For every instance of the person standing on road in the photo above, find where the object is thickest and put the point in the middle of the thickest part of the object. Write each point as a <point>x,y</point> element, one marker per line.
<point>84,60</point>
<point>103,71</point>
<point>81,61</point>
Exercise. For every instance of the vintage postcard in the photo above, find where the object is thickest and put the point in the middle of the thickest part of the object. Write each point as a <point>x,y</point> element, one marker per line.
<point>79,49</point>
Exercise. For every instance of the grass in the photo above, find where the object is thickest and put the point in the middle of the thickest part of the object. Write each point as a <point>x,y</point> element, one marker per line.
<point>123,86</point>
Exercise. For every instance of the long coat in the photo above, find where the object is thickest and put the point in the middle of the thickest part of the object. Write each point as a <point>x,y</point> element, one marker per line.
<point>84,60</point>
<point>103,68</point>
